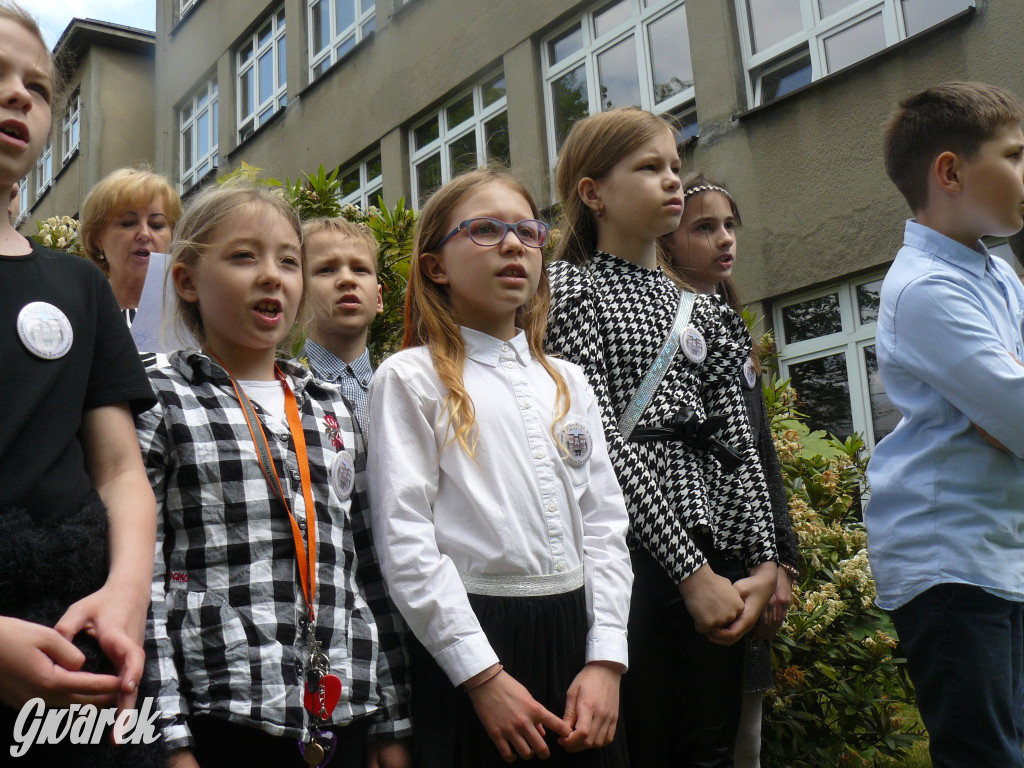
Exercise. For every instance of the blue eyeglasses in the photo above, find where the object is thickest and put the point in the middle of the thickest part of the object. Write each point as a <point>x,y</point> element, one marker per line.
<point>486,231</point>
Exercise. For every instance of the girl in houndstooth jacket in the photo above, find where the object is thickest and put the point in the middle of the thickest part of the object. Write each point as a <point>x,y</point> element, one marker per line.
<point>701,537</point>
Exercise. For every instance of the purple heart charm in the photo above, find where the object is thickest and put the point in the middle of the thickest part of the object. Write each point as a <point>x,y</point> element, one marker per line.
<point>321,748</point>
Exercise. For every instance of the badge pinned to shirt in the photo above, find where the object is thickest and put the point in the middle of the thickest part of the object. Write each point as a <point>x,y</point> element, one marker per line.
<point>578,442</point>
<point>750,373</point>
<point>45,330</point>
<point>693,345</point>
<point>343,474</point>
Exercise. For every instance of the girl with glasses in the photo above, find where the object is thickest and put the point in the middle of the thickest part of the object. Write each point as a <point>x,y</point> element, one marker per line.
<point>702,545</point>
<point>497,518</point>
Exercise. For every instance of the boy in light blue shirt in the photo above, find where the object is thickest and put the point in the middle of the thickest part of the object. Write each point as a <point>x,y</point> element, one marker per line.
<point>946,517</point>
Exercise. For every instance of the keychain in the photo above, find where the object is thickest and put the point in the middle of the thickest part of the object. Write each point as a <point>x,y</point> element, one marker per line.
<point>322,692</point>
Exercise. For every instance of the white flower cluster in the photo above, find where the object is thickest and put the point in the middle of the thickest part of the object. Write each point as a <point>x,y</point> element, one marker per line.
<point>59,233</point>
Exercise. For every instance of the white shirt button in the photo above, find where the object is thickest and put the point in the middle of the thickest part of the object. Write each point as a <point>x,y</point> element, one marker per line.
<point>527,404</point>
<point>552,506</point>
<point>510,364</point>
<point>540,453</point>
<point>504,347</point>
<point>559,566</point>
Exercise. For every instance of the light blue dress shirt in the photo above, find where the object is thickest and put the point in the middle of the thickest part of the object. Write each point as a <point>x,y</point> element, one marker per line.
<point>947,507</point>
<point>353,378</point>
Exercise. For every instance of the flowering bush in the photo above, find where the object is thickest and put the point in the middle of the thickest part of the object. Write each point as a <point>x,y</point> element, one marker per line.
<point>841,690</point>
<point>59,233</point>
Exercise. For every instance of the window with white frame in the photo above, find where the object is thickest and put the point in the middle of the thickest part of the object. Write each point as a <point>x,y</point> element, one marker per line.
<point>262,75</point>
<point>70,125</point>
<point>335,26</point>
<point>789,43</point>
<point>362,182</point>
<point>469,131</point>
<point>185,6</point>
<point>22,200</point>
<point>44,169</point>
<point>198,147</point>
<point>619,54</point>
<point>826,345</point>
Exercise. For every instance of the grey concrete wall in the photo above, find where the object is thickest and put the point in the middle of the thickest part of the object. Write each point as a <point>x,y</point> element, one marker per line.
<point>807,171</point>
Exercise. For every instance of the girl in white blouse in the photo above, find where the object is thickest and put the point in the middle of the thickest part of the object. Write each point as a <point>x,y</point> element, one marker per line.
<point>497,517</point>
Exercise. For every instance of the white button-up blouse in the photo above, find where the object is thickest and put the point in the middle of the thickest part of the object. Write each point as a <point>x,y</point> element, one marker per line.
<point>515,508</point>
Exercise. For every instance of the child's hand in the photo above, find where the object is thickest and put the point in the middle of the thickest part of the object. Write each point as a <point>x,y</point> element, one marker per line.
<point>513,719</point>
<point>36,661</point>
<point>388,754</point>
<point>775,613</point>
<point>117,620</point>
<point>755,590</point>
<point>592,706</point>
<point>182,758</point>
<point>710,599</point>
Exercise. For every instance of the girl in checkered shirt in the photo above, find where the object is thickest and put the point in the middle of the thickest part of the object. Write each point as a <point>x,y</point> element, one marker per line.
<point>702,544</point>
<point>275,640</point>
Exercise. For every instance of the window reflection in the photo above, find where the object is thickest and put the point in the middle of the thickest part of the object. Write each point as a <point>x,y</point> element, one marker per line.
<point>772,21</point>
<point>823,392</point>
<point>855,43</point>
<point>611,16</point>
<point>618,76</point>
<point>884,415</point>
<point>868,296</point>
<point>670,55</point>
<point>569,99</point>
<point>828,7</point>
<point>811,319</point>
<point>918,15</point>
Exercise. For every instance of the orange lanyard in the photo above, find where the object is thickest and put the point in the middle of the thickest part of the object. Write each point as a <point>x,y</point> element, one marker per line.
<point>306,562</point>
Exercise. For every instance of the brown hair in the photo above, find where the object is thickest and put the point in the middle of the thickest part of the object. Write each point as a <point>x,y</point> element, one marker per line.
<point>430,319</point>
<point>117,192</point>
<point>592,148</point>
<point>361,233</point>
<point>207,211</point>
<point>15,13</point>
<point>953,117</point>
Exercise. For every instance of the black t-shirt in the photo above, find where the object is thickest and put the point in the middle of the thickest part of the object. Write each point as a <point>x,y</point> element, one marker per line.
<point>42,468</point>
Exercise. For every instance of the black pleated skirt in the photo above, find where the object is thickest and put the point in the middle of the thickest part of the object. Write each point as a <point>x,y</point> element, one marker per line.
<point>541,641</point>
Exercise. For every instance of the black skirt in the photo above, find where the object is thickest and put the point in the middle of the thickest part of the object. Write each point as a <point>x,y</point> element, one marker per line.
<point>541,642</point>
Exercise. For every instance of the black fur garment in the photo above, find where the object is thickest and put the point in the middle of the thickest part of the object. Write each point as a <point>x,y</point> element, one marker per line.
<point>44,568</point>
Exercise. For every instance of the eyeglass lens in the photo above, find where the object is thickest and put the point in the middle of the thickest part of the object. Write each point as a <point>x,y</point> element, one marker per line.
<point>486,231</point>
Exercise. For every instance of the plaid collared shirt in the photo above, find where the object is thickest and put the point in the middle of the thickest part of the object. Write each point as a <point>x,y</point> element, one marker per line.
<point>229,622</point>
<point>353,378</point>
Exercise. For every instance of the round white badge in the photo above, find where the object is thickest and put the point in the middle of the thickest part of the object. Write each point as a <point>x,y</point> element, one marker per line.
<point>45,330</point>
<point>578,443</point>
<point>693,344</point>
<point>343,474</point>
<point>750,373</point>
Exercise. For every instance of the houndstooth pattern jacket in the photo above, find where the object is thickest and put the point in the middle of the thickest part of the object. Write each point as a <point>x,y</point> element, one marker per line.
<point>611,317</point>
<point>229,622</point>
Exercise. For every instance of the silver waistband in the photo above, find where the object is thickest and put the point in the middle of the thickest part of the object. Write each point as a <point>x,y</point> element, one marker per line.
<point>522,586</point>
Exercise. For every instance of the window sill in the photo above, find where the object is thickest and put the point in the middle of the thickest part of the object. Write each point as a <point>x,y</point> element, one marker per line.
<point>252,136</point>
<point>846,71</point>
<point>65,165</point>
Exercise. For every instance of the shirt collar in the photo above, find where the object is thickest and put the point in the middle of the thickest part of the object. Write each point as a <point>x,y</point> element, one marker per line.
<point>490,351</point>
<point>974,260</point>
<point>198,368</point>
<point>329,367</point>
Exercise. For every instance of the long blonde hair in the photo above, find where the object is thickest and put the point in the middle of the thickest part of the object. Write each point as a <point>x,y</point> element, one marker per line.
<point>592,148</point>
<point>430,319</point>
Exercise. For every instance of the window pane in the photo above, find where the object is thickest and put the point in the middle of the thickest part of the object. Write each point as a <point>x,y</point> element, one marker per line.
<point>282,63</point>
<point>186,112</point>
<point>823,393</point>
<point>350,182</point>
<point>264,35</point>
<point>620,82</point>
<point>462,154</point>
<point>425,134</point>
<point>460,111</point>
<point>345,11</point>
<point>565,44</point>
<point>786,79</point>
<point>494,90</point>
<point>772,21</point>
<point>496,138</point>
<point>828,7</point>
<point>569,97</point>
<point>370,25</point>
<point>373,168</point>
<point>321,31</point>
<point>428,177</point>
<point>345,47</point>
<point>203,134</point>
<point>74,133</point>
<point>266,75</point>
<point>867,301</point>
<point>246,54</point>
<point>186,148</point>
<point>921,14</point>
<point>811,319</point>
<point>884,415</point>
<point>854,43</point>
<point>245,93</point>
<point>213,125</point>
<point>688,125</point>
<point>611,16</point>
<point>670,55</point>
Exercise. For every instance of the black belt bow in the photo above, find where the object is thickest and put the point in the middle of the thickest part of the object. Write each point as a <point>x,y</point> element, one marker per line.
<point>688,427</point>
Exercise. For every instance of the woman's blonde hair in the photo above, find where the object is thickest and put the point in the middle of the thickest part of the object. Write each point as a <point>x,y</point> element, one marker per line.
<point>592,148</point>
<point>205,213</point>
<point>116,193</point>
<point>430,319</point>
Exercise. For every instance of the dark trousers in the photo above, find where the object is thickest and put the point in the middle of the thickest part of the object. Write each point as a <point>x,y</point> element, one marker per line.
<point>682,693</point>
<point>965,656</point>
<point>220,742</point>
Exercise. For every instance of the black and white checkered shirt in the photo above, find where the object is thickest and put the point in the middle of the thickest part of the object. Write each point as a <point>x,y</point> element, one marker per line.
<point>611,317</point>
<point>229,626</point>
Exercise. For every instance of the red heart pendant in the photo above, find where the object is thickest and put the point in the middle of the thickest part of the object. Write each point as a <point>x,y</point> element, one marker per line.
<point>322,703</point>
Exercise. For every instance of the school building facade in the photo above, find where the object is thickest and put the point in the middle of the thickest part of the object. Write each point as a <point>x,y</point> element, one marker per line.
<point>781,100</point>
